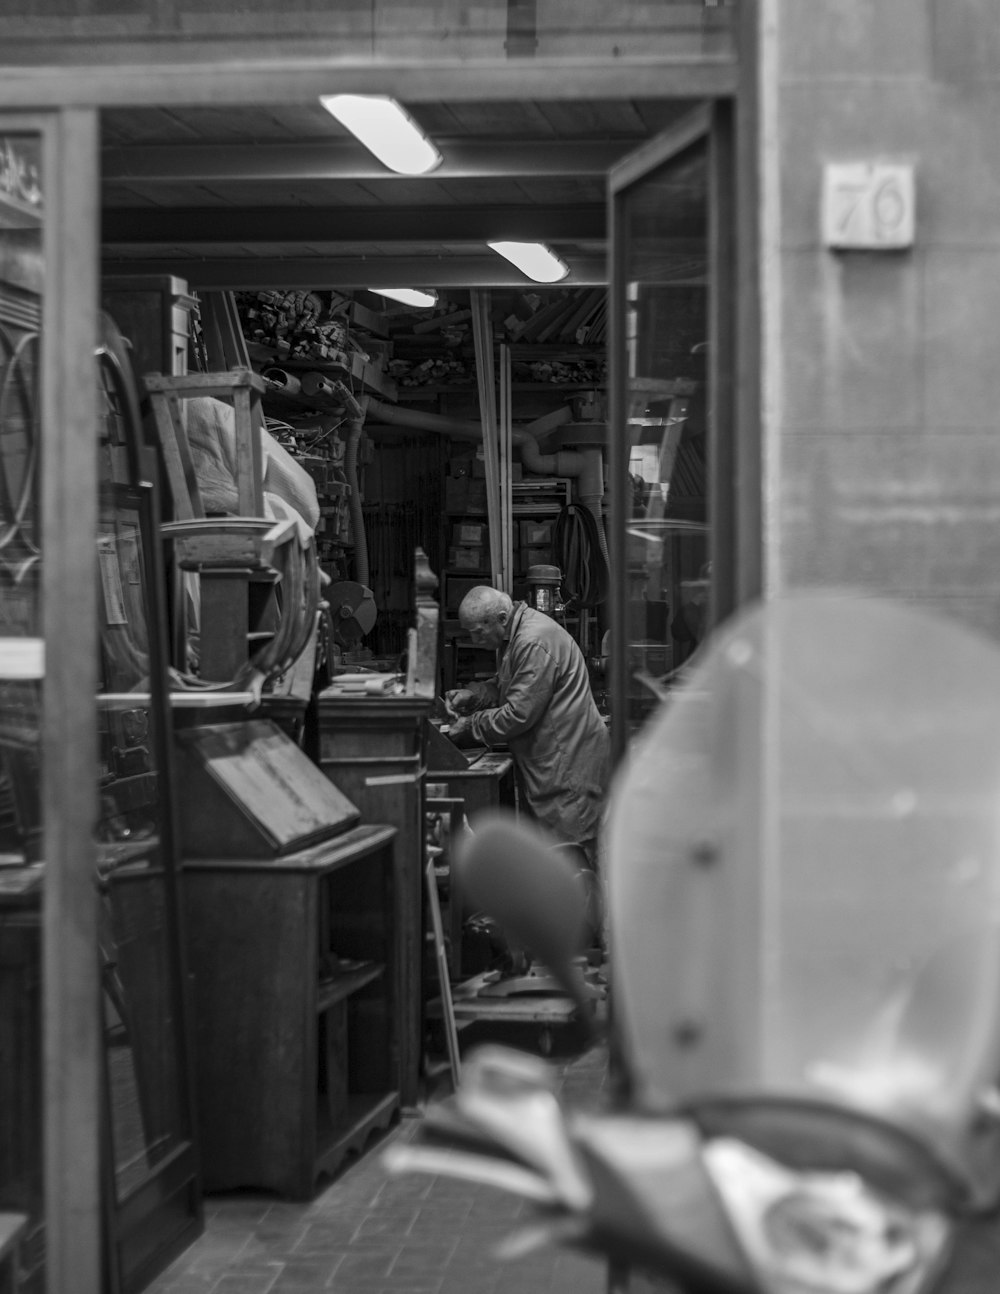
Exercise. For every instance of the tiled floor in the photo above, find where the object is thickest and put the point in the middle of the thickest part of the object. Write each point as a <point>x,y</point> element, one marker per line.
<point>369,1233</point>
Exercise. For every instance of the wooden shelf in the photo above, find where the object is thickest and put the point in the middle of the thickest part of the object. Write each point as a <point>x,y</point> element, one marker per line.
<point>342,986</point>
<point>371,380</point>
<point>434,389</point>
<point>366,1113</point>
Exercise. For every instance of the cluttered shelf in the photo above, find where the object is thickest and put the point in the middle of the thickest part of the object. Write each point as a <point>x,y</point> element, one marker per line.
<point>554,340</point>
<point>430,390</point>
<point>310,383</point>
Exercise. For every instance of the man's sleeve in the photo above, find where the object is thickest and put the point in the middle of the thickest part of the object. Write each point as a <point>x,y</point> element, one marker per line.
<point>486,692</point>
<point>528,695</point>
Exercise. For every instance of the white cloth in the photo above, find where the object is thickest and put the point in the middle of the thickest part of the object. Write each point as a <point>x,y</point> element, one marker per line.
<point>288,489</point>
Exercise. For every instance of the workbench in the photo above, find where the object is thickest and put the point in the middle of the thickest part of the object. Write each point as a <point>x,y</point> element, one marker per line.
<point>541,1013</point>
<point>483,778</point>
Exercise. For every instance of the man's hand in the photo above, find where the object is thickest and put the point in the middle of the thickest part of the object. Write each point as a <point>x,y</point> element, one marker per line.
<point>460,732</point>
<point>460,701</point>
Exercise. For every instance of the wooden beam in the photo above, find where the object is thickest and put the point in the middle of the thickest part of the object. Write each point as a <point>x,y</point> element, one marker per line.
<point>134,226</point>
<point>339,159</point>
<point>137,78</point>
<point>250,271</point>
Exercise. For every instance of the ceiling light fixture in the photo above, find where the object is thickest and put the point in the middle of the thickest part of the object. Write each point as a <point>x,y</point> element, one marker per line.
<point>533,259</point>
<point>386,130</point>
<point>408,296</point>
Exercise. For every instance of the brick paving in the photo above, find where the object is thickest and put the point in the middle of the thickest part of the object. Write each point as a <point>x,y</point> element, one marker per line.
<point>369,1233</point>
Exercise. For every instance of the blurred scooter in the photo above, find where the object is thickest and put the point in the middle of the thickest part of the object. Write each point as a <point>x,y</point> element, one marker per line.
<point>803,876</point>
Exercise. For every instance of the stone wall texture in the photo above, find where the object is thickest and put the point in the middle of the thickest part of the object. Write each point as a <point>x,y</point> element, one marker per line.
<point>882,415</point>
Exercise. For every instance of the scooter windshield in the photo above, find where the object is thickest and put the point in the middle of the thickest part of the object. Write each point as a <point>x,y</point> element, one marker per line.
<point>803,869</point>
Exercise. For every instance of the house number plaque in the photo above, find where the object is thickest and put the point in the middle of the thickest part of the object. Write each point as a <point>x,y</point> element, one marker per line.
<point>868,205</point>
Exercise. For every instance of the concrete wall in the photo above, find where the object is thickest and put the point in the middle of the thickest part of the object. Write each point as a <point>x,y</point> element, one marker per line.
<point>882,369</point>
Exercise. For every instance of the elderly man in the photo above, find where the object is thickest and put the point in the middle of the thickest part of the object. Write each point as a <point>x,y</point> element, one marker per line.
<point>540,704</point>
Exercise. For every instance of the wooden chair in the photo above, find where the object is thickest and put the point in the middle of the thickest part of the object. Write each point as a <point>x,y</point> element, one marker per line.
<point>245,638</point>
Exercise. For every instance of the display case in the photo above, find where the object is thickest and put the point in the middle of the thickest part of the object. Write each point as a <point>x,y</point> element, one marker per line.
<point>151,1179</point>
<point>148,1163</point>
<point>21,867</point>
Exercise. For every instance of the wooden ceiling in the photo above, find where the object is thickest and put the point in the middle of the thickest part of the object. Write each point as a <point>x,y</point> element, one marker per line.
<point>283,196</point>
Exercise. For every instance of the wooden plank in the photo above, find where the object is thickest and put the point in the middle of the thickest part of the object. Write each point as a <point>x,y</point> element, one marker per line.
<point>249,465</point>
<point>746,341</point>
<point>506,447</point>
<point>483,341</point>
<point>444,977</point>
<point>291,78</point>
<point>217,384</point>
<point>181,477</point>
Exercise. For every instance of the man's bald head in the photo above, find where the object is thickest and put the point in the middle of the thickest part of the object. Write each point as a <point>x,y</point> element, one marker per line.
<point>485,614</point>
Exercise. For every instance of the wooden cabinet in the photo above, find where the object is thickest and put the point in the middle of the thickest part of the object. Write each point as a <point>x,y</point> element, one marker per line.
<point>297,1043</point>
<point>372,749</point>
<point>21,1077</point>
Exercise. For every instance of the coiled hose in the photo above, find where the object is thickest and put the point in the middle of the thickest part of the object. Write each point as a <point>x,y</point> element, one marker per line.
<point>577,550</point>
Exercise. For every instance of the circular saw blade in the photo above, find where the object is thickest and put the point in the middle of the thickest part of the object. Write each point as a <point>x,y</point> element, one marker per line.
<point>352,611</point>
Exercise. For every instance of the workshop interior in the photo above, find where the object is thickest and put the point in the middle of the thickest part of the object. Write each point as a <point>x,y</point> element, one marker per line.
<point>297,485</point>
<point>670,320</point>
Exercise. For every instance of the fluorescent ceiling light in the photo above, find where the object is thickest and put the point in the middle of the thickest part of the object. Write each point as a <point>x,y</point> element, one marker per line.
<point>533,259</point>
<point>386,129</point>
<point>408,296</point>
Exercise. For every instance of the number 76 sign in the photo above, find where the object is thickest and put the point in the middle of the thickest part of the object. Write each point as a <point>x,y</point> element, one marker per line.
<point>868,205</point>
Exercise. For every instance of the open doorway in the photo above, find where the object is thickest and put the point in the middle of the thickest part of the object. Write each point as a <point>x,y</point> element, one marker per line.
<point>278,208</point>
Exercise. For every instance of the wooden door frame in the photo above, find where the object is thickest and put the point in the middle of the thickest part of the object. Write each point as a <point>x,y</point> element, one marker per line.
<point>68,756</point>
<point>734,440</point>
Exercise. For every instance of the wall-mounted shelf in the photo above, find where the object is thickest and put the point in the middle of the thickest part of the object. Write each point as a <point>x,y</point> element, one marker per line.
<point>356,374</point>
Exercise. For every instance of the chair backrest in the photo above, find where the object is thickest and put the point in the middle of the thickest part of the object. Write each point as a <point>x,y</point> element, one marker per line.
<point>242,388</point>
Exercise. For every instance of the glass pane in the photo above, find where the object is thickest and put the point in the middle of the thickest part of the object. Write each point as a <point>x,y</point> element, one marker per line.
<point>666,540</point>
<point>21,667</point>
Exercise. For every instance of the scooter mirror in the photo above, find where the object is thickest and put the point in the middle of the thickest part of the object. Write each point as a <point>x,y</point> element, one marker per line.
<point>521,878</point>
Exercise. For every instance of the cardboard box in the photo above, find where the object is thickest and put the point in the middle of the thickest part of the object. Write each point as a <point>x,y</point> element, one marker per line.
<point>456,587</point>
<point>465,559</point>
<point>469,533</point>
<point>460,464</point>
<point>535,556</point>
<point>535,534</point>
<point>463,494</point>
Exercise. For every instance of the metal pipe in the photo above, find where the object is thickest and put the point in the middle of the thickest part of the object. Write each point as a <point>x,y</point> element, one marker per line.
<point>564,463</point>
